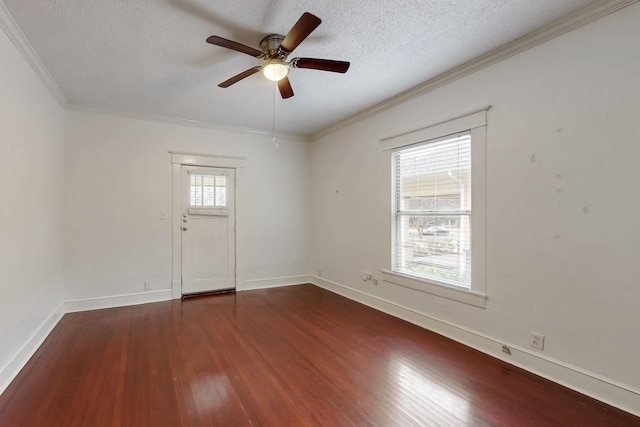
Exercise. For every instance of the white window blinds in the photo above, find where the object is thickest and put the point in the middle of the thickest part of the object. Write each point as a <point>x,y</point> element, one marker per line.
<point>208,190</point>
<point>432,210</point>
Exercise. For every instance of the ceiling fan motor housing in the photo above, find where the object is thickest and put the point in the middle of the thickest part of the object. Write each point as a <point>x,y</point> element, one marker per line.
<point>270,46</point>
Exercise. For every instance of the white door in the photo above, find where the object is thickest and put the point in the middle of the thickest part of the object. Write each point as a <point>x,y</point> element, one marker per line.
<point>208,229</point>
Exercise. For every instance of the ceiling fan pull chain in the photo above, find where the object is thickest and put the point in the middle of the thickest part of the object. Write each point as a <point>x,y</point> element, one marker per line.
<point>275,107</point>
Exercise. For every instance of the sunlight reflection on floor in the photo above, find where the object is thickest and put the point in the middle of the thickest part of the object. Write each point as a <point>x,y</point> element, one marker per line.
<point>421,399</point>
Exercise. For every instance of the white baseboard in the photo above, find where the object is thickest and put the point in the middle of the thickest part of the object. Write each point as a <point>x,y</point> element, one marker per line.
<point>176,288</point>
<point>275,282</point>
<point>11,369</point>
<point>117,300</point>
<point>591,384</point>
<point>167,294</point>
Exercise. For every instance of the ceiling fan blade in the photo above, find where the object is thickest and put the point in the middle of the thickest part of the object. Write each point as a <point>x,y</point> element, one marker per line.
<point>219,41</point>
<point>238,77</point>
<point>286,91</point>
<point>301,29</point>
<point>320,64</point>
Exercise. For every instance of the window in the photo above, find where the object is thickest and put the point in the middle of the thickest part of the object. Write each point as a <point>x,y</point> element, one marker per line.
<point>432,210</point>
<point>438,209</point>
<point>208,190</point>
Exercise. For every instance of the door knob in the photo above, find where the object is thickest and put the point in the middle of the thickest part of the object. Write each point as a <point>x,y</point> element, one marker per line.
<point>184,228</point>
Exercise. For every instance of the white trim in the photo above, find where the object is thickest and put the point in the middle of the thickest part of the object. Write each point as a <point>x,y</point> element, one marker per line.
<point>176,288</point>
<point>207,160</point>
<point>12,368</point>
<point>176,235</point>
<point>597,386</point>
<point>459,124</point>
<point>180,121</point>
<point>275,282</point>
<point>208,211</point>
<point>29,54</point>
<point>479,207</point>
<point>582,17</point>
<point>465,296</point>
<point>476,123</point>
<point>548,32</point>
<point>179,159</point>
<point>111,301</point>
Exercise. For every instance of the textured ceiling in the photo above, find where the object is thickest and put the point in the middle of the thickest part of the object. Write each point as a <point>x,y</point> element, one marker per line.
<point>150,57</point>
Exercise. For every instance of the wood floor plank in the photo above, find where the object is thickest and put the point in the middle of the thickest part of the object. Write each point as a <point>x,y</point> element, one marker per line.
<point>293,356</point>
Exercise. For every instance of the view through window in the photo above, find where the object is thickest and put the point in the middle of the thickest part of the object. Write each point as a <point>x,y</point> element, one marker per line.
<point>432,210</point>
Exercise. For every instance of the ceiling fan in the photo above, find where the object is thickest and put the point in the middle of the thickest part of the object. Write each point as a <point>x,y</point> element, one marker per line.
<point>275,49</point>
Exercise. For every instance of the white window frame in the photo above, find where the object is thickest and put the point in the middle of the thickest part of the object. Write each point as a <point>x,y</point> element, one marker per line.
<point>476,124</point>
<point>215,210</point>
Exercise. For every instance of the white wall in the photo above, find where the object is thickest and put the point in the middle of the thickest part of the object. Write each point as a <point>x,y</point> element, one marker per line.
<point>31,139</point>
<point>562,137</point>
<point>118,179</point>
<point>563,236</point>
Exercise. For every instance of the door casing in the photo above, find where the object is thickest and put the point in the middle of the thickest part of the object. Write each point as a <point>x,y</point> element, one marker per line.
<point>208,236</point>
<point>179,159</point>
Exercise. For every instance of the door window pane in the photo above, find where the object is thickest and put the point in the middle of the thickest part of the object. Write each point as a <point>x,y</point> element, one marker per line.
<point>208,190</point>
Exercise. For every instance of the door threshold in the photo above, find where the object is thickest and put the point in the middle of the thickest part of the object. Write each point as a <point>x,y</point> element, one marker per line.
<point>208,293</point>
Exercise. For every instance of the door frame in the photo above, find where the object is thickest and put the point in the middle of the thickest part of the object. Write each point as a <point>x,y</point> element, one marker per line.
<point>179,159</point>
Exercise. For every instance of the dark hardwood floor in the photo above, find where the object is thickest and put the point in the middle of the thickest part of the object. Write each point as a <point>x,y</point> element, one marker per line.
<point>295,356</point>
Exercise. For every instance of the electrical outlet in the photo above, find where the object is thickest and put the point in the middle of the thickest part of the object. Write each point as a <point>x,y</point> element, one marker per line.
<point>506,350</point>
<point>536,340</point>
<point>147,285</point>
<point>374,281</point>
<point>366,276</point>
<point>319,273</point>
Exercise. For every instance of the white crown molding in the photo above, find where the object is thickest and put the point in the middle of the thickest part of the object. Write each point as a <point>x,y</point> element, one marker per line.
<point>18,38</point>
<point>555,29</point>
<point>582,17</point>
<point>179,121</point>
<point>15,34</point>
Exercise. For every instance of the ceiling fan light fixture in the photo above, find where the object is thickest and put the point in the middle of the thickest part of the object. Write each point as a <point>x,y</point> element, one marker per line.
<point>275,70</point>
<point>275,50</point>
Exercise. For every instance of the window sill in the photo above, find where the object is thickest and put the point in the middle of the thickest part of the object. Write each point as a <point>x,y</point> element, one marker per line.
<point>462,295</point>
